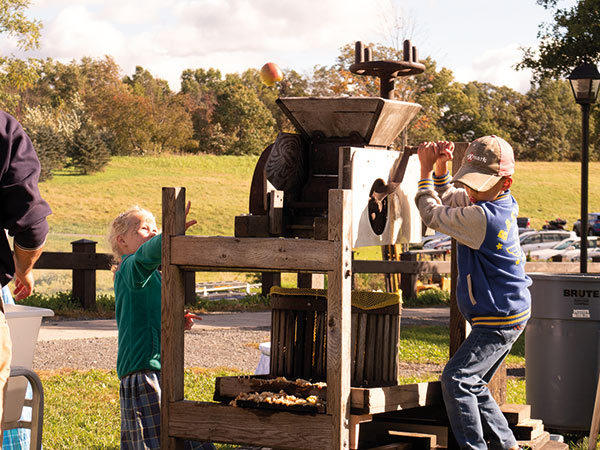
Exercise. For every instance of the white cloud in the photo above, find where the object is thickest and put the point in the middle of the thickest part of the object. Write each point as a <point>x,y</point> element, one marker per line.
<point>169,36</point>
<point>134,13</point>
<point>496,67</point>
<point>75,33</point>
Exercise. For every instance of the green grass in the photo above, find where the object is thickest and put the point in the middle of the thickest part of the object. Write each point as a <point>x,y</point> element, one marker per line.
<point>546,190</point>
<point>431,344</point>
<point>219,186</point>
<point>82,407</point>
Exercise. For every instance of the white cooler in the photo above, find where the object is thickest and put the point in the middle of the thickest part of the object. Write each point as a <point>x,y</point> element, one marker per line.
<point>24,324</point>
<point>264,361</point>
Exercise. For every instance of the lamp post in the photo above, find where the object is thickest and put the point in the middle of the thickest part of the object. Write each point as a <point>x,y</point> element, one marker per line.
<point>585,81</point>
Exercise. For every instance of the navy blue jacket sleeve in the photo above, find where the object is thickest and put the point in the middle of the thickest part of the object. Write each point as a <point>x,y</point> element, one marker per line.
<point>23,212</point>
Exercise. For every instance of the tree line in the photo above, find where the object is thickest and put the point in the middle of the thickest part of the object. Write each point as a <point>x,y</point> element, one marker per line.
<point>81,113</point>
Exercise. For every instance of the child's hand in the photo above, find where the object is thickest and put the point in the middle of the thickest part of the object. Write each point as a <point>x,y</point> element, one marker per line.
<point>427,156</point>
<point>444,150</point>
<point>191,222</point>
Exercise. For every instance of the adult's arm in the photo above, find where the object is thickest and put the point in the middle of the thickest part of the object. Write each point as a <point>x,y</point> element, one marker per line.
<point>24,261</point>
<point>23,211</point>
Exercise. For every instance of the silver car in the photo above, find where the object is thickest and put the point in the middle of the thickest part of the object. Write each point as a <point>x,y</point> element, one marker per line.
<point>538,239</point>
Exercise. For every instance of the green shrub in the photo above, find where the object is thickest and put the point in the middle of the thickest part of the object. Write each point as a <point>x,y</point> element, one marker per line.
<point>254,302</point>
<point>59,302</point>
<point>428,297</point>
<point>63,304</point>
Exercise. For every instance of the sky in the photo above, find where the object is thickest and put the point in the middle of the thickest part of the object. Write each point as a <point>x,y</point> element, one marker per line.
<point>478,40</point>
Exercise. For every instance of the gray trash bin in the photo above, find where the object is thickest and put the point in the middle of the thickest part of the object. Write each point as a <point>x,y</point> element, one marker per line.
<point>562,346</point>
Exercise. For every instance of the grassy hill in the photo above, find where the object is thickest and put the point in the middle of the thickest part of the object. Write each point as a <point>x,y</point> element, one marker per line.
<point>219,186</point>
<point>83,206</point>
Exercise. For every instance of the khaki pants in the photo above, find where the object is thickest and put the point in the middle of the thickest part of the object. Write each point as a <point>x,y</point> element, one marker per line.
<point>5,358</point>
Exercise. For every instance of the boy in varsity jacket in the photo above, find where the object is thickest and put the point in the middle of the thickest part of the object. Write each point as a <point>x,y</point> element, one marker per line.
<point>492,289</point>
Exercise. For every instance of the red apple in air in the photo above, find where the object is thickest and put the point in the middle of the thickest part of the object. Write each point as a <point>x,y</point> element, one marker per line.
<point>270,73</point>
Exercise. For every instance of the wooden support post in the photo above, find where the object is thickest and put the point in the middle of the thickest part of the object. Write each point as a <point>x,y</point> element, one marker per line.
<point>311,280</point>
<point>269,279</point>
<point>84,280</point>
<point>355,421</point>
<point>190,287</point>
<point>408,281</point>
<point>339,318</point>
<point>173,294</point>
<point>275,212</point>
<point>595,425</point>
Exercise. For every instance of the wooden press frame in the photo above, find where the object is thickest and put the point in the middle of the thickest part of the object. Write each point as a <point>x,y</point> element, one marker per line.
<point>183,419</point>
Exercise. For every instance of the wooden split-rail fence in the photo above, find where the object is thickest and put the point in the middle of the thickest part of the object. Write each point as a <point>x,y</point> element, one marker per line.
<point>84,261</point>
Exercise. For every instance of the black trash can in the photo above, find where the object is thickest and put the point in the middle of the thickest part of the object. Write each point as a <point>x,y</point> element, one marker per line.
<point>562,346</point>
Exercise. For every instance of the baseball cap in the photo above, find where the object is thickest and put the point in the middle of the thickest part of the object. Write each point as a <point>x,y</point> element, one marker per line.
<point>486,161</point>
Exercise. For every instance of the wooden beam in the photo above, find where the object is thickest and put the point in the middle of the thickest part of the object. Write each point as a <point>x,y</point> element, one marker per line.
<point>259,254</point>
<point>339,317</point>
<point>263,428</point>
<point>373,400</point>
<point>68,261</point>
<point>173,297</point>
<point>515,413</point>
<point>395,398</point>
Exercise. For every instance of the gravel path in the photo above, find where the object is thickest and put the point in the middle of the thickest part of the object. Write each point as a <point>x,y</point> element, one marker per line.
<point>235,348</point>
<point>203,348</point>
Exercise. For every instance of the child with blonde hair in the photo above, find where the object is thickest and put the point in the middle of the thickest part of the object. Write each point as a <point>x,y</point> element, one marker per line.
<point>136,244</point>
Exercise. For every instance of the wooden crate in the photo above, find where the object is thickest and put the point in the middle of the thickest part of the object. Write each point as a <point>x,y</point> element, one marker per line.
<point>299,344</point>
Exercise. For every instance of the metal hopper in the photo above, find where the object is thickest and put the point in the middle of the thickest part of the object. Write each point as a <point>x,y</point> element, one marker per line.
<point>377,121</point>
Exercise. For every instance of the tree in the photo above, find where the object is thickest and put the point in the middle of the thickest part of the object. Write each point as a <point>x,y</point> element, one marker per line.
<point>228,116</point>
<point>573,38</point>
<point>16,74</point>
<point>42,126</point>
<point>292,85</point>
<point>244,117</point>
<point>434,90</point>
<point>171,125</point>
<point>549,130</point>
<point>14,22</point>
<point>87,150</point>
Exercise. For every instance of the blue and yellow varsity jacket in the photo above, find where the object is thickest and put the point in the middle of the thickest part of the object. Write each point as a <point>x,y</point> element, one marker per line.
<point>492,288</point>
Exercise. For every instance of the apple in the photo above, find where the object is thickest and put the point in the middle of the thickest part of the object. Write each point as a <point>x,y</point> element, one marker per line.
<point>270,73</point>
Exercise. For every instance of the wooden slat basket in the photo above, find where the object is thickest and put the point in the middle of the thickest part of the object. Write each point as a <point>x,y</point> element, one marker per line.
<point>299,336</point>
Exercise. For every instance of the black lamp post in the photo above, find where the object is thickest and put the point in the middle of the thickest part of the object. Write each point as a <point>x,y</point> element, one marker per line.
<point>585,81</point>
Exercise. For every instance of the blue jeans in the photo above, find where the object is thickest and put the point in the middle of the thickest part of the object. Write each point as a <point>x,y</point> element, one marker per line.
<point>476,419</point>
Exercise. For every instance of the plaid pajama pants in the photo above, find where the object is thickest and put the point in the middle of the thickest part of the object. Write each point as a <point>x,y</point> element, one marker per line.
<point>140,413</point>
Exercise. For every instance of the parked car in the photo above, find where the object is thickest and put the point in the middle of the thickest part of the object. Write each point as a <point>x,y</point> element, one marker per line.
<point>538,239</point>
<point>573,253</point>
<point>444,244</point>
<point>545,254</point>
<point>430,241</point>
<point>593,225</point>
